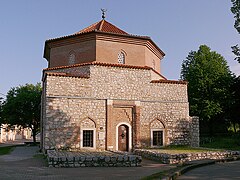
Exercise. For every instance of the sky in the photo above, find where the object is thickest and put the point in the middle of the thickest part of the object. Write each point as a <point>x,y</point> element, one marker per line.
<point>177,27</point>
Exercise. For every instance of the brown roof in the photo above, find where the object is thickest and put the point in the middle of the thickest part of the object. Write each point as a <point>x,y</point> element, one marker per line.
<point>105,64</point>
<point>102,26</point>
<point>62,74</point>
<point>169,81</point>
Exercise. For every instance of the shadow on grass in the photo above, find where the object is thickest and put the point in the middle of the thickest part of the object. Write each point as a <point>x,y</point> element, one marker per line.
<point>6,150</point>
<point>41,157</point>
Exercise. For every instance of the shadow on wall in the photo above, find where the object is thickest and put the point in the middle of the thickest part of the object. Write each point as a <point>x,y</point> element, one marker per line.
<point>61,131</point>
<point>179,134</point>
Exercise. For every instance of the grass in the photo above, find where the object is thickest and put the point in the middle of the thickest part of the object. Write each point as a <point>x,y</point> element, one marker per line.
<point>182,149</point>
<point>227,143</point>
<point>216,144</point>
<point>6,150</point>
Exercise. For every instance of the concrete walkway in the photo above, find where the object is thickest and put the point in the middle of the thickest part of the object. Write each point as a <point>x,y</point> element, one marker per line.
<point>219,171</point>
<point>20,153</point>
<point>21,164</point>
<point>14,143</point>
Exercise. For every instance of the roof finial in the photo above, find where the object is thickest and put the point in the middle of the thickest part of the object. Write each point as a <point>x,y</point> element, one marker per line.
<point>103,13</point>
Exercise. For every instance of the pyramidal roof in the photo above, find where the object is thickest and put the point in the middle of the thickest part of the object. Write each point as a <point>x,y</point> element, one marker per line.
<point>102,26</point>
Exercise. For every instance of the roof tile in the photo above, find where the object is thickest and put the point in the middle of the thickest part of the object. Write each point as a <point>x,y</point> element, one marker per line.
<point>62,74</point>
<point>102,26</point>
<point>169,81</point>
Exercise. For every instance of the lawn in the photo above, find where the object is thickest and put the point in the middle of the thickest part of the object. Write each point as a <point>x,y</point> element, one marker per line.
<point>6,150</point>
<point>183,149</point>
<point>216,144</point>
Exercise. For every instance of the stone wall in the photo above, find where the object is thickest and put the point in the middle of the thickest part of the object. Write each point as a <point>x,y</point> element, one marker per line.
<point>195,139</point>
<point>70,100</point>
<point>108,82</point>
<point>182,158</point>
<point>66,117</point>
<point>56,159</point>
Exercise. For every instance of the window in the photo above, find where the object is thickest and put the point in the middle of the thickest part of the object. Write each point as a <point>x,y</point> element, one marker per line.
<point>121,58</point>
<point>157,138</point>
<point>71,58</point>
<point>88,138</point>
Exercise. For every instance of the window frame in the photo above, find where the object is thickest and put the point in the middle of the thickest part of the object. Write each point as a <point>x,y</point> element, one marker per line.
<point>94,138</point>
<point>163,135</point>
<point>123,56</point>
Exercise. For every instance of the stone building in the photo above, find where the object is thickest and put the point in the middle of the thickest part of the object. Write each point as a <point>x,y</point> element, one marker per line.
<point>103,90</point>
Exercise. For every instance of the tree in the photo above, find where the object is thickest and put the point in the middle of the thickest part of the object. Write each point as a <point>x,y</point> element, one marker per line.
<point>235,114</point>
<point>1,103</point>
<point>22,107</point>
<point>209,81</point>
<point>235,106</point>
<point>236,11</point>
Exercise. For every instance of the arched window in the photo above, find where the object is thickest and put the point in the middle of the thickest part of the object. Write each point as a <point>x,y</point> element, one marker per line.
<point>71,58</point>
<point>157,133</point>
<point>88,133</point>
<point>121,58</point>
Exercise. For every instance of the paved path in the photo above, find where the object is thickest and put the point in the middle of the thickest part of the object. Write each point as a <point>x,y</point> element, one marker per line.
<point>219,171</point>
<point>20,153</point>
<point>20,164</point>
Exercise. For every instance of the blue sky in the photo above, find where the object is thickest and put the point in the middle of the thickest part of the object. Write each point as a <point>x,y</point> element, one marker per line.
<point>177,27</point>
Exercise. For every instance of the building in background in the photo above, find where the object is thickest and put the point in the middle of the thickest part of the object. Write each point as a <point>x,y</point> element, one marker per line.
<point>14,133</point>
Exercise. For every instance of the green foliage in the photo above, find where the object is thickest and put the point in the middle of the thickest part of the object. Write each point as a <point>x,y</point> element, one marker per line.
<point>235,103</point>
<point>178,149</point>
<point>209,81</point>
<point>227,143</point>
<point>22,107</point>
<point>236,11</point>
<point>1,103</point>
<point>236,51</point>
<point>6,150</point>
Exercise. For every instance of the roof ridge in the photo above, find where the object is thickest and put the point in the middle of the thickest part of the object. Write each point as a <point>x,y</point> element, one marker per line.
<point>106,64</point>
<point>116,27</point>
<point>99,64</point>
<point>159,74</point>
<point>101,25</point>
<point>89,27</point>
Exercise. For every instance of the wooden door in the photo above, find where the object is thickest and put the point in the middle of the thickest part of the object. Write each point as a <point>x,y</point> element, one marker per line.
<point>123,138</point>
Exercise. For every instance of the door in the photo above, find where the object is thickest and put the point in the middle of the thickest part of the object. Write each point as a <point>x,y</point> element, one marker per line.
<point>123,137</point>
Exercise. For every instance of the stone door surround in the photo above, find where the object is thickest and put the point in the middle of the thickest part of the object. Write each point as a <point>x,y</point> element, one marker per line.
<point>113,122</point>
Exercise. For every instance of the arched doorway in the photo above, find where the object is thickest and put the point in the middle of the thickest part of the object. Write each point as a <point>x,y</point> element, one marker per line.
<point>123,137</point>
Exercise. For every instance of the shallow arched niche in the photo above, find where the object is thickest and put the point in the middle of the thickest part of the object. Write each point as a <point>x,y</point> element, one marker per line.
<point>157,130</point>
<point>87,123</point>
<point>71,58</point>
<point>87,133</point>
<point>157,124</point>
